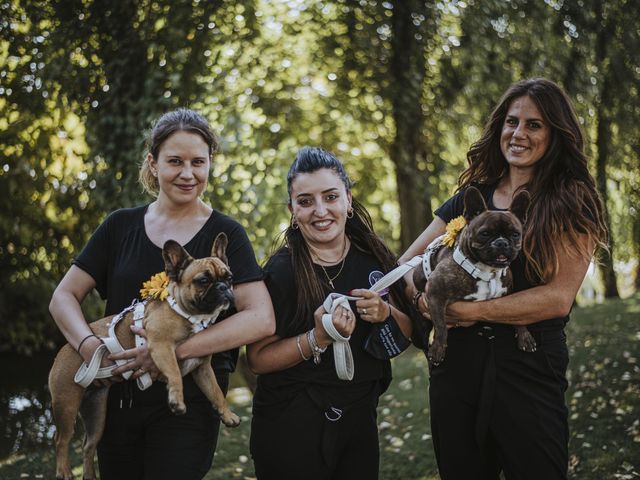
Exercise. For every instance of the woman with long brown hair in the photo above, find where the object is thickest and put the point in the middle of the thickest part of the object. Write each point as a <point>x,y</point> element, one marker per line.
<point>494,407</point>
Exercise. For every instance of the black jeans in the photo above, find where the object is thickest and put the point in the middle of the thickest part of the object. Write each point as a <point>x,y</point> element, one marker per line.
<point>495,408</point>
<point>143,440</point>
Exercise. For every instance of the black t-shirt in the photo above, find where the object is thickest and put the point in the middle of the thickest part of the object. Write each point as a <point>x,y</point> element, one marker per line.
<point>120,257</point>
<point>360,270</point>
<point>454,207</point>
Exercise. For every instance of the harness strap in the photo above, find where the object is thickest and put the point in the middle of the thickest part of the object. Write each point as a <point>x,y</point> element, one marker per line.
<point>431,251</point>
<point>482,272</point>
<point>342,355</point>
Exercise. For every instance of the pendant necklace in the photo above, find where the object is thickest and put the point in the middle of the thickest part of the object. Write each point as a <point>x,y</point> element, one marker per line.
<point>330,279</point>
<point>344,258</point>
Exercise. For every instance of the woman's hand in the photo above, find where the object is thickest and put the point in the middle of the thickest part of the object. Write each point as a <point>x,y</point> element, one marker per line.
<point>454,315</point>
<point>343,320</point>
<point>371,307</point>
<point>138,359</point>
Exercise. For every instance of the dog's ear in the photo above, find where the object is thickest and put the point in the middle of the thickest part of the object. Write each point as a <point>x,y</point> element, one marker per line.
<point>520,205</point>
<point>474,204</point>
<point>176,259</point>
<point>220,247</point>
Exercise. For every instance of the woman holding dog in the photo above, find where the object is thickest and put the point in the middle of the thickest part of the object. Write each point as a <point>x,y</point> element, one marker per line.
<point>142,438</point>
<point>494,407</point>
<point>307,421</point>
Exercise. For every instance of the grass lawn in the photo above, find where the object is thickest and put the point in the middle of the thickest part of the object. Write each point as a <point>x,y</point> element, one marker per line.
<point>604,400</point>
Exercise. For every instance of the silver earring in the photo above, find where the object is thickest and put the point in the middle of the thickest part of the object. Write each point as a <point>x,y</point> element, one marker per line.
<point>350,213</point>
<point>294,223</point>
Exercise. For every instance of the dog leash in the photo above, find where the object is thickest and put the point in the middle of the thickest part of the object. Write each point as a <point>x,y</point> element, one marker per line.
<point>342,354</point>
<point>86,374</point>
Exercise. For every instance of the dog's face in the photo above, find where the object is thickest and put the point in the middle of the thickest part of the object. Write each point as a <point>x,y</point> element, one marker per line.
<point>492,237</point>
<point>201,286</point>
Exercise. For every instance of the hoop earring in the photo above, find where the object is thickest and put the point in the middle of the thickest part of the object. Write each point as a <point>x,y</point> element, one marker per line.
<point>350,213</point>
<point>294,223</point>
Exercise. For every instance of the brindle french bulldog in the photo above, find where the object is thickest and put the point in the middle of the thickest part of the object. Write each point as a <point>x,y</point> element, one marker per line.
<point>200,288</point>
<point>486,246</point>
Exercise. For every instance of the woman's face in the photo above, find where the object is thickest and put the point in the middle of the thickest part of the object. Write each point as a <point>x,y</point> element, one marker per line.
<point>182,167</point>
<point>319,204</point>
<point>525,136</point>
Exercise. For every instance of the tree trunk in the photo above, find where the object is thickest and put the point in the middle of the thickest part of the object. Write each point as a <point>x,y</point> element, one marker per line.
<point>603,147</point>
<point>407,71</point>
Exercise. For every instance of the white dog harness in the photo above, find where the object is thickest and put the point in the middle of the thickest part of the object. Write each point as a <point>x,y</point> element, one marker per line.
<point>342,355</point>
<point>86,374</point>
<point>489,278</point>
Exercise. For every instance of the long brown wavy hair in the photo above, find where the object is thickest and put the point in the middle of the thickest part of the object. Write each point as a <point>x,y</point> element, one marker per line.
<point>564,199</point>
<point>359,229</point>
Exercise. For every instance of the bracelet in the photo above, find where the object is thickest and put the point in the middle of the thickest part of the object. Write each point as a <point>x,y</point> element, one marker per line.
<point>416,299</point>
<point>300,348</point>
<point>83,340</point>
<point>316,351</point>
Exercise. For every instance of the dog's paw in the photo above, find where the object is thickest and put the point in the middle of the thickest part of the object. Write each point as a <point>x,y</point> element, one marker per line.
<point>436,353</point>
<point>177,407</point>
<point>526,342</point>
<point>230,419</point>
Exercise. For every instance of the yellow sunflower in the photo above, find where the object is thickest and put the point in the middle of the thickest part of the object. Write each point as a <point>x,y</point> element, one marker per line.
<point>155,287</point>
<point>453,228</point>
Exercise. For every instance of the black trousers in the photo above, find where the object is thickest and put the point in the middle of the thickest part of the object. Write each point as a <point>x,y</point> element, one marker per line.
<point>495,408</point>
<point>301,442</point>
<point>143,440</point>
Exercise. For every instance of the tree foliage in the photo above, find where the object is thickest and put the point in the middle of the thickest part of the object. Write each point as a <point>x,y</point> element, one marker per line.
<point>398,89</point>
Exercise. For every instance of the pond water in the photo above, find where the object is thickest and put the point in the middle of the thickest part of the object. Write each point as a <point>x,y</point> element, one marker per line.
<point>25,405</point>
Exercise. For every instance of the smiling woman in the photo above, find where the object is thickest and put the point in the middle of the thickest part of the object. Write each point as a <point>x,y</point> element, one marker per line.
<point>308,420</point>
<point>142,438</point>
<point>497,407</point>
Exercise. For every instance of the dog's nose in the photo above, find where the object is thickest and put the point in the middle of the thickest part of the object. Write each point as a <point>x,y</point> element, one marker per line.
<point>221,287</point>
<point>500,243</point>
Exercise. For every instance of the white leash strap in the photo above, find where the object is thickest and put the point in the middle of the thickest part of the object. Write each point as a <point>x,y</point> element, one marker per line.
<point>342,355</point>
<point>88,373</point>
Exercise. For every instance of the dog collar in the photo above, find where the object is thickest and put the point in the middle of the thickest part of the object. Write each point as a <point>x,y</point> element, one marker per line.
<point>479,271</point>
<point>199,322</point>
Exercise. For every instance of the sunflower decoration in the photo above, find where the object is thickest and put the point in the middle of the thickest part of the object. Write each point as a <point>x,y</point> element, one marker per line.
<point>155,287</point>
<point>453,228</point>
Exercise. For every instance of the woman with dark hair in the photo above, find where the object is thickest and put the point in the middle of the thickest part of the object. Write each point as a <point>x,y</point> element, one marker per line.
<point>142,438</point>
<point>309,422</point>
<point>494,407</point>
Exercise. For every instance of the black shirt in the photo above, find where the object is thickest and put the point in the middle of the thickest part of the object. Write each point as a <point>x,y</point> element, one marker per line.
<point>359,271</point>
<point>454,207</point>
<point>120,257</point>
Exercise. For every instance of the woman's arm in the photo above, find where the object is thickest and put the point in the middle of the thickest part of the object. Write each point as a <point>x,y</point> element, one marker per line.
<point>253,321</point>
<point>435,229</point>
<point>274,353</point>
<point>551,300</point>
<point>66,312</point>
